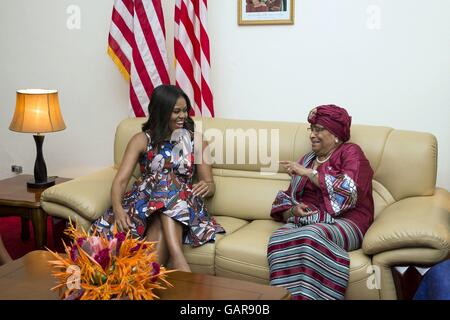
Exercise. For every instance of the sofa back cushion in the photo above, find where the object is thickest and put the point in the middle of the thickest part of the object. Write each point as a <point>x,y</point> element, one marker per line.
<point>248,176</point>
<point>126,129</point>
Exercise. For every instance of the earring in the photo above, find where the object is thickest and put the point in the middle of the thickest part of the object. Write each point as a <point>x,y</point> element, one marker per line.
<point>336,140</point>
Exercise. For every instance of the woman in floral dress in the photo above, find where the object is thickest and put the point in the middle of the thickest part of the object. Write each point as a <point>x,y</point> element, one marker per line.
<point>163,205</point>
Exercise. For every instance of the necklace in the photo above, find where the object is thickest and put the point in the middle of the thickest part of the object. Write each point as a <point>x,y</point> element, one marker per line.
<point>326,159</point>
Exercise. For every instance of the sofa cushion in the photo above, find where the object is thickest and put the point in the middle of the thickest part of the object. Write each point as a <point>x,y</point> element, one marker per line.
<point>201,259</point>
<point>259,190</point>
<point>245,251</point>
<point>412,222</point>
<point>89,196</point>
<point>243,255</point>
<point>400,157</point>
<point>360,287</point>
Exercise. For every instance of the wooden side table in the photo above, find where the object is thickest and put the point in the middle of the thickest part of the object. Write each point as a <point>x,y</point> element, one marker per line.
<point>18,200</point>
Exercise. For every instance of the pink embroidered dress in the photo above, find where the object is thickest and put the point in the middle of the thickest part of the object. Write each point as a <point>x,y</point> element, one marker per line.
<point>309,255</point>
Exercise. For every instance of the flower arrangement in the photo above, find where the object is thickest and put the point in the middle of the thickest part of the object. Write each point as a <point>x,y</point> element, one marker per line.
<point>96,268</point>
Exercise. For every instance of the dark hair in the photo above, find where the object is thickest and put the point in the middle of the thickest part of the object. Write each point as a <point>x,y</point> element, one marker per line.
<point>162,101</point>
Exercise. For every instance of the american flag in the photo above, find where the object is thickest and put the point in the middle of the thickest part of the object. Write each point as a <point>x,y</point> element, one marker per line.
<point>137,44</point>
<point>191,48</point>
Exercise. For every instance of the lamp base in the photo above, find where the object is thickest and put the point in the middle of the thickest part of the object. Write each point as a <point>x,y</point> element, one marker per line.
<point>39,185</point>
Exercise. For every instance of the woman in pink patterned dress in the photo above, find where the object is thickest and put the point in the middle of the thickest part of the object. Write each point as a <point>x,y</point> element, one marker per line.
<point>163,204</point>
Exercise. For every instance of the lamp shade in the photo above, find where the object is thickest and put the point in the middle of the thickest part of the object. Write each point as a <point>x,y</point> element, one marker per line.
<point>37,111</point>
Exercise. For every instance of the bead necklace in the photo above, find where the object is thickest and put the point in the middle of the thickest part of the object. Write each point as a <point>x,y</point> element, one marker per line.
<point>326,159</point>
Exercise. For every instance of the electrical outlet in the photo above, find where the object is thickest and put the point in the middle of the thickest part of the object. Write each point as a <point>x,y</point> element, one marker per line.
<point>16,168</point>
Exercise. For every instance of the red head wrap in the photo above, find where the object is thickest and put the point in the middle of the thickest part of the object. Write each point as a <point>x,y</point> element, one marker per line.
<point>335,119</point>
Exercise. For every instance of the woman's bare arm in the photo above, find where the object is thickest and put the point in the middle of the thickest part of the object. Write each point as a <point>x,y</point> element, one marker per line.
<point>135,147</point>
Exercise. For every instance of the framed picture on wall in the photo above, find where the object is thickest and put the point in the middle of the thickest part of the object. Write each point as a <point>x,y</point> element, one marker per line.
<point>254,12</point>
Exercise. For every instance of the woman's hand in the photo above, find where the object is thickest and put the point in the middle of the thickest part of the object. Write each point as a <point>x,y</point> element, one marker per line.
<point>294,168</point>
<point>123,221</point>
<point>136,146</point>
<point>300,210</point>
<point>203,188</point>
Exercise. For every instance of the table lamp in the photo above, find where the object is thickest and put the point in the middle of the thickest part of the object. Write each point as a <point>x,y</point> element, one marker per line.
<point>37,111</point>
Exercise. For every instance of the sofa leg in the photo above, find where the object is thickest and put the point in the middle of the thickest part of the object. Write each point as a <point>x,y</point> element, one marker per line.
<point>407,280</point>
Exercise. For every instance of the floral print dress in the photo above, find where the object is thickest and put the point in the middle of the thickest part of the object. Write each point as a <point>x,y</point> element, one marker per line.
<point>165,187</point>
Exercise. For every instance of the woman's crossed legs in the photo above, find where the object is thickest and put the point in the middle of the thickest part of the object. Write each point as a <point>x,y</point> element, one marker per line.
<point>168,233</point>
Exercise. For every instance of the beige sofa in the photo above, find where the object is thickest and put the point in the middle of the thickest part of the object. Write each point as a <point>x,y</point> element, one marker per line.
<point>412,216</point>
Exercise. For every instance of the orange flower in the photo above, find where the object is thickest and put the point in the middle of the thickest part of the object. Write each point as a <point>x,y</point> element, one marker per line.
<point>95,268</point>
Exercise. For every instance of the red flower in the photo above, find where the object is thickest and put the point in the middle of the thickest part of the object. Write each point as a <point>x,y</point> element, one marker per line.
<point>140,230</point>
<point>74,253</point>
<point>137,247</point>
<point>156,268</point>
<point>120,236</point>
<point>80,241</point>
<point>103,258</point>
<point>74,250</point>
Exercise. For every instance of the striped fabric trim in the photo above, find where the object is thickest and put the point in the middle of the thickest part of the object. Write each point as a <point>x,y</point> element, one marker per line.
<point>316,218</point>
<point>297,180</point>
<point>312,261</point>
<point>283,201</point>
<point>296,184</point>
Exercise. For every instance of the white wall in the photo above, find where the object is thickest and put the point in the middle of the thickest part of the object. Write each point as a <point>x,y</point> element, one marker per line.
<point>398,75</point>
<point>38,50</point>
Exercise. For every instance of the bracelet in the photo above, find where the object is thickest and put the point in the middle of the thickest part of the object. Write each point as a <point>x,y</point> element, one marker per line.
<point>313,174</point>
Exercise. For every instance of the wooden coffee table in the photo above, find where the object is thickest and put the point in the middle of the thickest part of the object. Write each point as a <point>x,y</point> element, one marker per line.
<point>30,278</point>
<point>18,200</point>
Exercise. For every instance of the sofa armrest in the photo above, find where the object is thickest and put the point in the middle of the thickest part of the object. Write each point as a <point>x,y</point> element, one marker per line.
<point>416,222</point>
<point>89,196</point>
